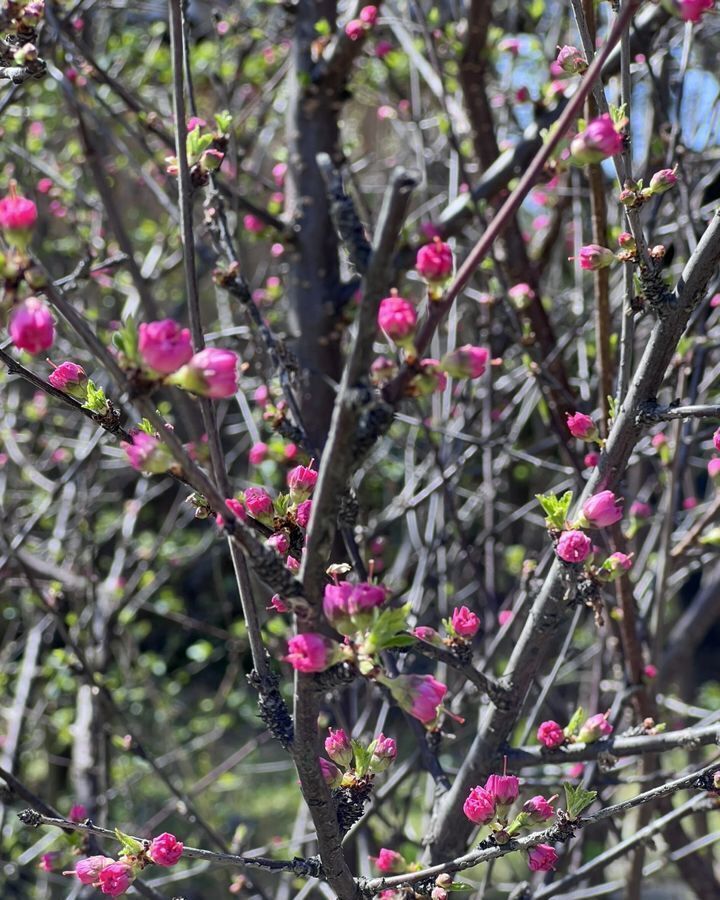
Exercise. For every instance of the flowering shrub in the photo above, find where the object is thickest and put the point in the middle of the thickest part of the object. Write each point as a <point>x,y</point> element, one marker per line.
<point>360,451</point>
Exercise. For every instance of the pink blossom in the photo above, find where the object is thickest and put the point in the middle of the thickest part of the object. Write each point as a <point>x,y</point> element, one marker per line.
<point>195,122</point>
<point>505,616</point>
<point>364,597</point>
<point>384,752</point>
<point>599,140</point>
<point>650,671</point>
<point>17,214</point>
<point>550,734</point>
<point>258,502</point>
<point>165,850</point>
<point>290,451</point>
<point>310,652</point>
<point>338,747</point>
<point>573,546</point>
<point>434,261</point>
<point>261,395</point>
<point>88,870</point>
<point>210,373</point>
<point>253,224</point>
<point>464,622</point>
<point>510,45</point>
<point>419,695</point>
<point>539,809</point>
<point>479,806</point>
<point>601,510</point>
<point>397,318</point>
<point>591,459</point>
<point>47,861</point>
<point>330,772</point>
<point>641,510</point>
<point>571,61</point>
<point>662,181</point>
<point>302,513</point>
<point>466,362</point>
<point>278,604</point>
<point>430,379</point>
<point>147,453</point>
<point>716,440</point>
<point>45,185</point>
<point>355,29</point>
<point>279,542</point>
<point>31,326</point>
<point>503,789</point>
<point>593,257</point>
<point>713,467</point>
<point>692,10</point>
<point>658,440</point>
<point>581,426</point>
<point>594,728</point>
<point>389,862</point>
<point>236,508</point>
<point>369,14</point>
<point>164,346</point>
<point>279,171</point>
<point>78,813</point>
<point>521,295</point>
<point>258,452</point>
<point>690,502</point>
<point>427,634</point>
<point>116,879</point>
<point>542,858</point>
<point>301,480</point>
<point>382,48</point>
<point>68,376</point>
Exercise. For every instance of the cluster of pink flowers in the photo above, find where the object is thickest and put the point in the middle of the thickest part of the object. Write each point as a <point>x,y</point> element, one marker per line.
<point>599,511</point>
<point>357,28</point>
<point>552,735</point>
<point>114,877</point>
<point>348,607</point>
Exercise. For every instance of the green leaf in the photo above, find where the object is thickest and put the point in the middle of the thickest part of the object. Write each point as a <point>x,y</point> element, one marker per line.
<point>224,121</point>
<point>130,846</point>
<point>556,508</point>
<point>575,722</point>
<point>147,427</point>
<point>363,755</point>
<point>577,799</point>
<point>322,27</point>
<point>95,400</point>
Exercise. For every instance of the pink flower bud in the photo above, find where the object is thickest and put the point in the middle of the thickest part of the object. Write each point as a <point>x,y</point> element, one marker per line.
<point>390,862</point>
<point>338,747</point>
<point>279,542</point>
<point>505,616</point>
<point>503,789</point>
<point>71,378</point>
<point>601,510</point>
<point>479,806</point>
<point>582,427</point>
<point>236,508</point>
<point>292,564</point>
<point>590,460</point>
<point>31,326</point>
<point>429,380</point>
<point>466,362</point>
<point>382,49</point>
<point>439,893</point>
<point>253,224</point>
<point>434,262</point>
<point>335,606</point>
<point>164,346</point>
<point>662,181</point>
<point>369,14</point>
<point>147,453</point>
<point>311,652</point>
<point>364,597</point>
<point>355,29</point>
<point>116,879</point>
<point>689,10</point>
<point>716,440</point>
<point>259,503</point>
<point>615,565</point>
<point>594,728</point>
<point>384,753</point>
<point>539,809</point>
<point>302,513</point>
<point>650,671</point>
<point>290,451</point>
<point>713,468</point>
<point>641,510</point>
<point>88,870</point>
<point>428,634</point>
<point>195,122</point>
<point>658,440</point>
<point>521,295</point>
<point>279,172</point>
<point>542,858</point>
<point>397,319</point>
<point>165,850</point>
<point>571,60</point>
<point>210,373</point>
<point>78,813</point>
<point>550,734</point>
<point>330,772</point>
<point>598,141</point>
<point>258,453</point>
<point>278,604</point>
<point>573,546</point>
<point>627,241</point>
<point>464,622</point>
<point>18,215</point>
<point>419,695</point>
<point>593,257</point>
<point>301,480</point>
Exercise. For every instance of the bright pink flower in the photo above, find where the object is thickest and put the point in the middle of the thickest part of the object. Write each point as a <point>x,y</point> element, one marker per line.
<point>692,10</point>
<point>601,510</point>
<point>147,453</point>
<point>573,546</point>
<point>164,346</point>
<point>713,467</point>
<point>591,459</point>
<point>690,502</point>
<point>539,809</point>
<point>31,326</point>
<point>330,772</point>
<point>258,502</point>
<point>355,29</point>
<point>593,257</point>
<point>45,185</point>
<point>662,181</point>
<point>369,14</point>
<point>621,560</point>
<point>466,362</point>
<point>716,440</point>
<point>311,652</point>
<point>479,806</point>
<point>641,510</point>
<point>290,451</point>
<point>505,616</point>
<point>594,728</point>
<point>279,171</point>
<point>521,295</point>
<point>397,318</point>
<point>116,879</point>
<point>165,850</point>
<point>68,376</point>
<point>278,604</point>
<point>542,858</point>
<point>581,426</point>
<point>88,870</point>
<point>17,213</point>
<point>503,789</point>
<point>364,597</point>
<point>390,862</point>
<point>571,60</point>
<point>301,480</point>
<point>279,542</point>
<point>258,452</point>
<point>338,747</point>
<point>336,606</point>
<point>419,695</point>
<point>210,373</point>
<point>658,440</point>
<point>434,262</point>
<point>252,224</point>
<point>293,564</point>
<point>195,122</point>
<point>464,622</point>
<point>78,813</point>
<point>236,508</point>
<point>550,734</point>
<point>302,513</point>
<point>384,752</point>
<point>627,241</point>
<point>47,861</point>
<point>650,671</point>
<point>598,141</point>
